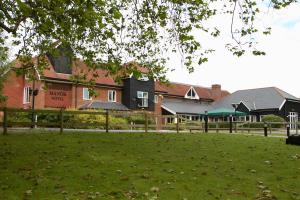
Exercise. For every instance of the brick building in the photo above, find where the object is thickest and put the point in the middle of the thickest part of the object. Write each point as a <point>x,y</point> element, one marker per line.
<point>56,89</point>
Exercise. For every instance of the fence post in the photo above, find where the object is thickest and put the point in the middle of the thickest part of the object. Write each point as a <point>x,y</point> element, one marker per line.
<point>265,129</point>
<point>61,117</point>
<point>5,121</point>
<point>177,123</point>
<point>270,128</point>
<point>235,125</point>
<point>106,121</point>
<point>288,130</point>
<point>206,122</point>
<point>249,127</point>
<point>146,123</point>
<point>230,124</point>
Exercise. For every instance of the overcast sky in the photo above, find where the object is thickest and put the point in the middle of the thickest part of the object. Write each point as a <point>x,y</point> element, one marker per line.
<point>279,68</point>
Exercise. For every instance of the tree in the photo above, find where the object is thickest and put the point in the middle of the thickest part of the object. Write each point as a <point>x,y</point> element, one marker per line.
<point>107,34</point>
<point>4,66</point>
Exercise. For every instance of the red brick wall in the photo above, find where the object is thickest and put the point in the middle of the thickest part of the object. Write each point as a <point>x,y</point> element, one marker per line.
<point>157,108</point>
<point>216,92</point>
<point>102,95</point>
<point>13,89</point>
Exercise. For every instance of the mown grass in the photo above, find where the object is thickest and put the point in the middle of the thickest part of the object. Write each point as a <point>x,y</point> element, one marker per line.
<point>147,166</point>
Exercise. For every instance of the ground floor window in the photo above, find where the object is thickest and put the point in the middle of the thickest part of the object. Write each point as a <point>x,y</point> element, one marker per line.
<point>112,96</point>
<point>86,94</point>
<point>26,96</point>
<point>170,120</point>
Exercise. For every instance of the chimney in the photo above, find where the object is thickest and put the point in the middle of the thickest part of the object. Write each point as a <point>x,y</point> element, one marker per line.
<point>216,92</point>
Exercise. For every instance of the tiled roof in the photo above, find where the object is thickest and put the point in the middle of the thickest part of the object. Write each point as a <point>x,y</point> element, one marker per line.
<point>101,77</point>
<point>256,99</point>
<point>180,89</point>
<point>104,106</point>
<point>80,68</point>
<point>185,107</point>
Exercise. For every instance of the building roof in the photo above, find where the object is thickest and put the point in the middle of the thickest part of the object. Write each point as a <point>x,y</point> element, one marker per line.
<point>256,99</point>
<point>104,106</point>
<point>185,107</point>
<point>180,90</point>
<point>79,68</point>
<point>102,77</point>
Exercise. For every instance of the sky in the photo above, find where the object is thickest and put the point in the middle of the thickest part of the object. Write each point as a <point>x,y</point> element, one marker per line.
<point>280,67</point>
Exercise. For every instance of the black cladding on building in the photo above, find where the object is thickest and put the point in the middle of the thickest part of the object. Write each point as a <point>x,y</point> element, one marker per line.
<point>131,86</point>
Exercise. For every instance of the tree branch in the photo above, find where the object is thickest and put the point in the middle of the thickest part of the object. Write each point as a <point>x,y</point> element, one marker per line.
<point>15,27</point>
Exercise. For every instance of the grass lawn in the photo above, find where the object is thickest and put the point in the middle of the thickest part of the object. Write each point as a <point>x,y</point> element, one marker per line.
<point>147,166</point>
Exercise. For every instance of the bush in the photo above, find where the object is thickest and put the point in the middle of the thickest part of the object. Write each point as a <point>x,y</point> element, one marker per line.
<point>274,118</point>
<point>95,121</point>
<point>70,120</point>
<point>21,117</point>
<point>139,119</point>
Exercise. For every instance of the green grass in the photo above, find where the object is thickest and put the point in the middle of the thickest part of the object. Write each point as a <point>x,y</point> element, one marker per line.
<point>146,166</point>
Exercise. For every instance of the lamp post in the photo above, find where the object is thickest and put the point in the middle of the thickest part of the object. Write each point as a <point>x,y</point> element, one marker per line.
<point>33,92</point>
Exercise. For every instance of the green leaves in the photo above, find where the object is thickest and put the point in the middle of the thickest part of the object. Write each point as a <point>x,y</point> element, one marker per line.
<point>117,32</point>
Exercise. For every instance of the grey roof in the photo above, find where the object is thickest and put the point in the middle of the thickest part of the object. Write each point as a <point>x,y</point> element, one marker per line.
<point>104,106</point>
<point>186,107</point>
<point>256,99</point>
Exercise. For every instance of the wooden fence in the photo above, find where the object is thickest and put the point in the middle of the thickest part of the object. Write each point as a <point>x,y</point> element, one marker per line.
<point>112,121</point>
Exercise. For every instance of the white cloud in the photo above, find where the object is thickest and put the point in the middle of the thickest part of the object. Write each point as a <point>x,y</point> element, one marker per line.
<point>279,68</point>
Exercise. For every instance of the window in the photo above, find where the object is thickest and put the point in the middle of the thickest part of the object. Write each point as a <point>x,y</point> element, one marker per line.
<point>143,97</point>
<point>191,94</point>
<point>170,120</point>
<point>26,96</point>
<point>86,94</point>
<point>155,98</point>
<point>112,96</point>
<point>144,77</point>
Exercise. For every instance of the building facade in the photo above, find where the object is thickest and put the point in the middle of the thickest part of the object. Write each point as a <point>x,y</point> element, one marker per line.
<point>56,88</point>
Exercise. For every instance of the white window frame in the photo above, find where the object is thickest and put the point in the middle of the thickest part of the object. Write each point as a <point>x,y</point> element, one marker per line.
<point>84,90</point>
<point>191,97</point>
<point>26,95</point>
<point>144,77</point>
<point>155,98</point>
<point>114,95</point>
<point>144,98</point>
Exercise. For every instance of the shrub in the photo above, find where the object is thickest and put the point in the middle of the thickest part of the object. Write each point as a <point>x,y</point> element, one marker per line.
<point>274,118</point>
<point>21,117</point>
<point>95,121</point>
<point>139,119</point>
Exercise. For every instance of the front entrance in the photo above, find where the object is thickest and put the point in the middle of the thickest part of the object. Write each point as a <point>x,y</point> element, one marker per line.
<point>293,119</point>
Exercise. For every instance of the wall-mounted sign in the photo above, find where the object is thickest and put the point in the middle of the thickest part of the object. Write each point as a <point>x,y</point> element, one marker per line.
<point>58,95</point>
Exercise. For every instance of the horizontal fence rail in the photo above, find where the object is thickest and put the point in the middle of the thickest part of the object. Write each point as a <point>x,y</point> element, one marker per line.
<point>135,121</point>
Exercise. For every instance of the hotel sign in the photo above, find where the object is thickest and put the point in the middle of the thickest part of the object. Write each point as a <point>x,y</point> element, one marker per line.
<point>58,95</point>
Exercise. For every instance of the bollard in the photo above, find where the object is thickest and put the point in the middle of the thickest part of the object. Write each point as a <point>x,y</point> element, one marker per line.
<point>288,130</point>
<point>266,130</point>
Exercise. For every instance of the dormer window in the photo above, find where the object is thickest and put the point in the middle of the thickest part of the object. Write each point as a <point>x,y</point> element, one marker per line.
<point>191,94</point>
<point>144,77</point>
